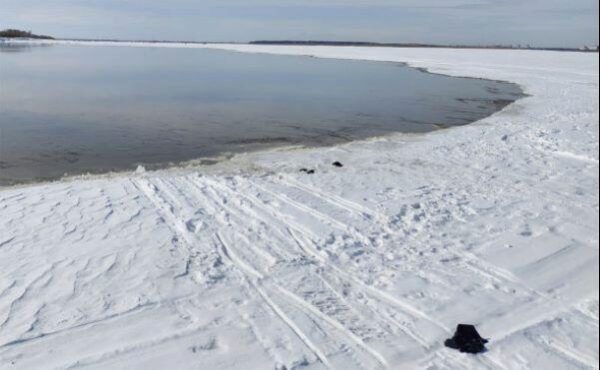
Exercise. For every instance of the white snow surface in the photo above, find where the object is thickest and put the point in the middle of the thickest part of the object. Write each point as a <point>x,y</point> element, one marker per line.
<point>251,264</point>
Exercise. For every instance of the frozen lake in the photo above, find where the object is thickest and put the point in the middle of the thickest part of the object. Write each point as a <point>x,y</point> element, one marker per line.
<point>78,109</point>
<point>369,266</point>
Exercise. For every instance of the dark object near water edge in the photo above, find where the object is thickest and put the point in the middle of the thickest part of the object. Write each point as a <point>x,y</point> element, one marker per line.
<point>337,164</point>
<point>466,339</point>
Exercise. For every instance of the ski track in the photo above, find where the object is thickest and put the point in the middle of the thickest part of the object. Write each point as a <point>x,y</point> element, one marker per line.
<point>251,264</point>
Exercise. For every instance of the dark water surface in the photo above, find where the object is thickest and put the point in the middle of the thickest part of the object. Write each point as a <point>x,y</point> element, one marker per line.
<point>78,109</point>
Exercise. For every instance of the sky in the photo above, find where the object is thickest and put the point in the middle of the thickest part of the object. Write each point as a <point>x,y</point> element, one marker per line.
<point>570,23</point>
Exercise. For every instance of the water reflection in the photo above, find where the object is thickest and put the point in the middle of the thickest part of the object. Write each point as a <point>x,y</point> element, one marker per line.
<point>74,109</point>
<point>12,47</point>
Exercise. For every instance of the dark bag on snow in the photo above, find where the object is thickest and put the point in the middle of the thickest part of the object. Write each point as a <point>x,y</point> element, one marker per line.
<point>467,339</point>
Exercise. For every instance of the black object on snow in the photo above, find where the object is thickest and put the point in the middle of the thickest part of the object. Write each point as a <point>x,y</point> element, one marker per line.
<point>307,171</point>
<point>466,339</point>
<point>337,164</point>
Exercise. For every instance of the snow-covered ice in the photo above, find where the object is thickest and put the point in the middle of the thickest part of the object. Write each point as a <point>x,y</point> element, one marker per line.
<point>251,264</point>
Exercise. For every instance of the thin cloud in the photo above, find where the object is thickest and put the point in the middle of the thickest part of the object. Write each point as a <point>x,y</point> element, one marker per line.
<point>538,22</point>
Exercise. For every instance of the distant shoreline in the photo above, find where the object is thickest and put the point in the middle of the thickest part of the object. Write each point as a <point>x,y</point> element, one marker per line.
<point>314,43</point>
<point>412,45</point>
<point>18,34</point>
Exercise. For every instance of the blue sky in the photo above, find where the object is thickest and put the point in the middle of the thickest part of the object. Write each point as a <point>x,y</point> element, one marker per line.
<point>536,22</point>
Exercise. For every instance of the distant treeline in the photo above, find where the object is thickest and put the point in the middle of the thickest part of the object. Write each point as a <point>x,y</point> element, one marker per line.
<point>411,45</point>
<point>10,33</point>
<point>13,33</point>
